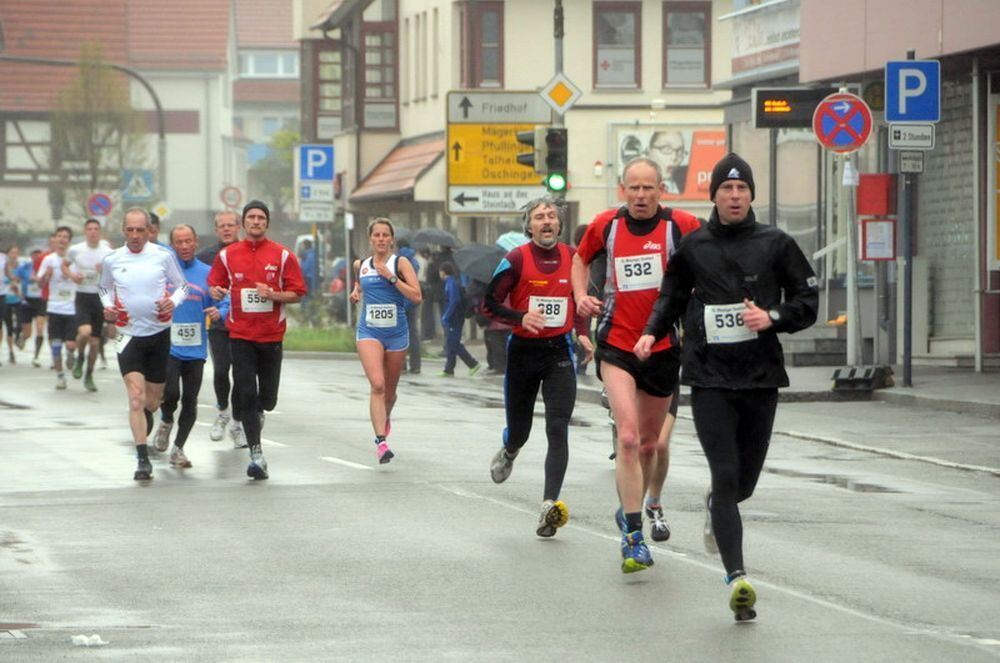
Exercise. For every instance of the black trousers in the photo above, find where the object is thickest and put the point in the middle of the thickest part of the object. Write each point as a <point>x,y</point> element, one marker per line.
<point>183,384</point>
<point>549,364</point>
<point>414,351</point>
<point>218,345</point>
<point>495,341</point>
<point>734,427</point>
<point>256,374</point>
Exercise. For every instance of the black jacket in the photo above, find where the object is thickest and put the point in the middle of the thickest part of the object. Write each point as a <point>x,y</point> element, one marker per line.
<point>721,264</point>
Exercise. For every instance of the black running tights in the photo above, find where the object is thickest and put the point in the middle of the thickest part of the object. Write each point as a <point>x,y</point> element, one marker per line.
<point>183,384</point>
<point>734,427</point>
<point>256,373</point>
<point>218,344</point>
<point>545,363</point>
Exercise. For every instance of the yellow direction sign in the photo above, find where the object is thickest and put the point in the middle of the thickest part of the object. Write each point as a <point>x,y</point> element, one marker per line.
<point>487,154</point>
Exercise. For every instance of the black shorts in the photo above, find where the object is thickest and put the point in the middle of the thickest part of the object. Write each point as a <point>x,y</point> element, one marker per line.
<point>657,376</point>
<point>147,355</point>
<point>36,305</point>
<point>90,311</point>
<point>62,327</point>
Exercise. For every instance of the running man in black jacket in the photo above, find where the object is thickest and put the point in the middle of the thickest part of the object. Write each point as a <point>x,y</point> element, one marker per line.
<point>738,284</point>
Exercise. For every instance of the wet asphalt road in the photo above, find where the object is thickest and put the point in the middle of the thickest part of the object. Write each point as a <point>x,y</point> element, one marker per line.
<point>855,556</point>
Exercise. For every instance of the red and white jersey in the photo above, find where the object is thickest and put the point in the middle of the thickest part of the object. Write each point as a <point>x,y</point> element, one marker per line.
<point>239,267</point>
<point>135,281</point>
<point>636,253</point>
<point>548,292</point>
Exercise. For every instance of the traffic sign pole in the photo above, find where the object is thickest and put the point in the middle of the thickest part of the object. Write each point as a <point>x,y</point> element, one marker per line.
<point>906,232</point>
<point>842,123</point>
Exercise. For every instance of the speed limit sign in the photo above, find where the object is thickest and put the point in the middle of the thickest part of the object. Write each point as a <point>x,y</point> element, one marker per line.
<point>231,196</point>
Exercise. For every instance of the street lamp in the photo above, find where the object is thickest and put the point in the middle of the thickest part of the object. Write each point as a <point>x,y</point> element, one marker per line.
<point>161,145</point>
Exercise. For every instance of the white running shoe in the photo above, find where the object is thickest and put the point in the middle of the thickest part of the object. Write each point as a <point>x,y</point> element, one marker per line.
<point>178,458</point>
<point>502,465</point>
<point>553,516</point>
<point>708,534</point>
<point>162,439</point>
<point>239,436</point>
<point>219,426</point>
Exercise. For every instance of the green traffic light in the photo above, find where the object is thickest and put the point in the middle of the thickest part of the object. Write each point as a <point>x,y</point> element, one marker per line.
<point>555,182</point>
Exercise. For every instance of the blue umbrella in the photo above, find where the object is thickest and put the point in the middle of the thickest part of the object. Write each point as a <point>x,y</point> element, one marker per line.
<point>511,240</point>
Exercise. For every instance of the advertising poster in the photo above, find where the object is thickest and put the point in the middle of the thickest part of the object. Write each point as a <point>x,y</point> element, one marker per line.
<point>685,154</point>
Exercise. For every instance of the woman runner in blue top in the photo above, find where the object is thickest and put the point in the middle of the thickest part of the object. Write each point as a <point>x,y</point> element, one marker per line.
<point>384,282</point>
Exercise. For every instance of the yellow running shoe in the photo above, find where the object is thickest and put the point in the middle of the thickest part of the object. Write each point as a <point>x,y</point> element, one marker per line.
<point>554,515</point>
<point>742,599</point>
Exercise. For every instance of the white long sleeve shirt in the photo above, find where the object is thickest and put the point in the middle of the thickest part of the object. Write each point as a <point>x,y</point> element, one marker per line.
<point>136,281</point>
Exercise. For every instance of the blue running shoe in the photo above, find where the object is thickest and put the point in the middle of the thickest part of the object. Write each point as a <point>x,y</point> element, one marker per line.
<point>620,520</point>
<point>635,554</point>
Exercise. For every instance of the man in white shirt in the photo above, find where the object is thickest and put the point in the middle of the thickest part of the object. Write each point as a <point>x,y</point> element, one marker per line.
<point>133,290</point>
<point>83,266</point>
<point>61,307</point>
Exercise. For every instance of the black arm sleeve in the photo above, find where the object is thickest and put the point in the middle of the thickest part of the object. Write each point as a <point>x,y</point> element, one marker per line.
<point>801,293</point>
<point>675,291</point>
<point>499,288</point>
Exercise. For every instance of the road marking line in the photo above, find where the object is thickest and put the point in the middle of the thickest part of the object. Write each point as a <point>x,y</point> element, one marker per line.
<point>901,455</point>
<point>909,629</point>
<point>271,443</point>
<point>341,461</point>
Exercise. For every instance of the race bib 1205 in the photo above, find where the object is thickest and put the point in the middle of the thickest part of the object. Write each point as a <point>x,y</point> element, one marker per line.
<point>380,315</point>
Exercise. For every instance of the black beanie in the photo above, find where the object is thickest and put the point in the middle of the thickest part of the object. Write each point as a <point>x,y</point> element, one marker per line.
<point>256,204</point>
<point>731,167</point>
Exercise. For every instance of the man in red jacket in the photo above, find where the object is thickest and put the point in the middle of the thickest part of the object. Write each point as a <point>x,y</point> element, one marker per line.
<point>260,276</point>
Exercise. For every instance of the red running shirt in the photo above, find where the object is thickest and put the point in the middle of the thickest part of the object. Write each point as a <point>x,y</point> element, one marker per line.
<point>239,267</point>
<point>552,293</point>
<point>636,253</point>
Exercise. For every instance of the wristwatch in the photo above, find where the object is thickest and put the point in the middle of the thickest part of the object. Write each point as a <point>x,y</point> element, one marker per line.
<point>393,279</point>
<point>775,316</point>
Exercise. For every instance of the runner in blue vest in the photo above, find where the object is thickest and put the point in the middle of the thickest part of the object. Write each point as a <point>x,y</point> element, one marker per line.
<point>385,284</point>
<point>188,346</point>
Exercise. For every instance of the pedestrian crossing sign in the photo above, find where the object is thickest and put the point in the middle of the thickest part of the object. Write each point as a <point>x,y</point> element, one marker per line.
<point>137,186</point>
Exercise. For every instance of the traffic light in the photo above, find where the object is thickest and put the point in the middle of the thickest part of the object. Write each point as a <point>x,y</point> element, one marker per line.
<point>537,157</point>
<point>556,156</point>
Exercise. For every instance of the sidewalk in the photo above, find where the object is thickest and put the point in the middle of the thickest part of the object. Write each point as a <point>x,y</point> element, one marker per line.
<point>934,388</point>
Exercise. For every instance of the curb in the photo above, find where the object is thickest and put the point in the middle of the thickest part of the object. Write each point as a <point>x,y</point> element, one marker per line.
<point>978,408</point>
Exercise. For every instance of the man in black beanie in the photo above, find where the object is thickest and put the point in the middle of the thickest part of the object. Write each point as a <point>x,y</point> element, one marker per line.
<point>737,283</point>
<point>257,204</point>
<point>731,167</point>
<point>260,277</point>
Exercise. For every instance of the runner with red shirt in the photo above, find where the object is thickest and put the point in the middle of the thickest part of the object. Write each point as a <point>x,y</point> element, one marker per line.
<point>260,276</point>
<point>531,290</point>
<point>636,241</point>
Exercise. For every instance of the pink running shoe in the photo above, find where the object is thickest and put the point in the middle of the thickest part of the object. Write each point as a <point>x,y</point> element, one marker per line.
<point>384,453</point>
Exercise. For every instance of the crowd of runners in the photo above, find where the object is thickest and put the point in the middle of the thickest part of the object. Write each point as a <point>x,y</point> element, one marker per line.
<point>730,283</point>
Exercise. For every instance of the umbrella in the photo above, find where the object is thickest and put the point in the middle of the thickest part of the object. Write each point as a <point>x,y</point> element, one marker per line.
<point>477,261</point>
<point>511,240</point>
<point>427,236</point>
<point>402,233</point>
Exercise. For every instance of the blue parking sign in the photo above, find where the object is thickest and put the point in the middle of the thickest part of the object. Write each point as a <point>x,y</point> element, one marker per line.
<point>316,163</point>
<point>913,91</point>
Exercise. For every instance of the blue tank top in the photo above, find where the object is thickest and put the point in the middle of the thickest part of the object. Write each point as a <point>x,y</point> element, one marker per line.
<point>384,307</point>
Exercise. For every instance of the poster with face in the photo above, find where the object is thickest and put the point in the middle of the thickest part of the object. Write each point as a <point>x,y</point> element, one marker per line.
<point>685,154</point>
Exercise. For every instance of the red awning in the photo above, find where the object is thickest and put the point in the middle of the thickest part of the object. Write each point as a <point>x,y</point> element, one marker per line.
<point>397,174</point>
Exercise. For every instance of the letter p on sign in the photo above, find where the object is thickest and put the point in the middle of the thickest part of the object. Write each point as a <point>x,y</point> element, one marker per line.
<point>912,91</point>
<point>316,163</point>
